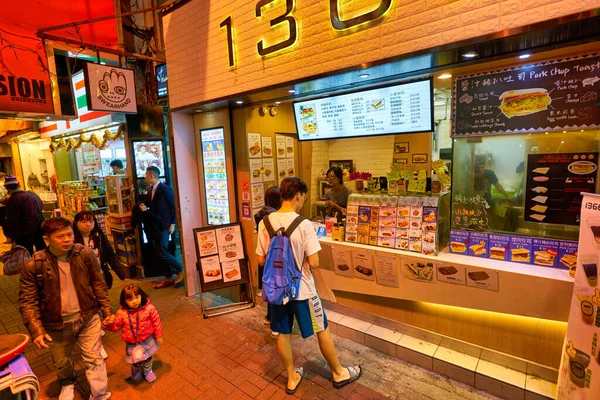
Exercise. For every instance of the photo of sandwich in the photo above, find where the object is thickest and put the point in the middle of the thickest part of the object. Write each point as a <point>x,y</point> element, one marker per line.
<point>290,149</point>
<point>378,104</point>
<point>538,217</point>
<point>268,172</point>
<point>282,174</point>
<point>447,270</point>
<point>498,253</point>
<point>539,208</point>
<point>256,173</point>
<point>543,258</point>
<point>419,270</point>
<point>343,267</point>
<point>280,151</point>
<point>582,167</point>
<point>524,102</point>
<point>231,273</point>
<point>569,260</point>
<point>478,249</point>
<point>363,270</point>
<point>387,234</point>
<point>291,172</point>
<point>520,255</point>
<point>213,272</point>
<point>478,276</point>
<point>458,247</point>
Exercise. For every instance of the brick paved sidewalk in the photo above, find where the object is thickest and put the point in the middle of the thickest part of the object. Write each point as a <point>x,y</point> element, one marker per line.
<point>231,357</point>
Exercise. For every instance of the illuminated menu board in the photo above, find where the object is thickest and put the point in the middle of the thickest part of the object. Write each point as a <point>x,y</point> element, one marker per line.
<point>215,176</point>
<point>405,108</point>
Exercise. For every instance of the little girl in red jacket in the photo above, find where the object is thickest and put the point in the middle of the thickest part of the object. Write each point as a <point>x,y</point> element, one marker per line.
<point>142,331</point>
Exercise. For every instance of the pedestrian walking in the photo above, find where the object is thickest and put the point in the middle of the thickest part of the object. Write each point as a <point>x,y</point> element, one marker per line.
<point>160,206</point>
<point>141,330</point>
<point>305,307</point>
<point>61,292</point>
<point>22,224</point>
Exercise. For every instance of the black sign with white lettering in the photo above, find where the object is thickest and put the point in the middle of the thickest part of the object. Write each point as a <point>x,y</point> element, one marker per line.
<point>550,96</point>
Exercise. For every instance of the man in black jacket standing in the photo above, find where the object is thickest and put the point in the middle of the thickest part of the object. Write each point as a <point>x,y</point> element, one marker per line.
<point>24,217</point>
<point>160,205</point>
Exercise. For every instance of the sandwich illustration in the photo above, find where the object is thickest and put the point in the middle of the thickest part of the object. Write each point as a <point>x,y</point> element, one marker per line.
<point>541,178</point>
<point>280,151</point>
<point>478,275</point>
<point>447,270</point>
<point>520,255</point>
<point>343,267</point>
<point>540,199</point>
<point>387,234</point>
<point>538,217</point>
<point>582,167</point>
<point>539,208</point>
<point>478,249</point>
<point>569,260</point>
<point>402,223</point>
<point>539,189</point>
<point>543,258</point>
<point>364,270</point>
<point>231,273</point>
<point>499,253</point>
<point>282,174</point>
<point>541,170</point>
<point>377,104</point>
<point>458,247</point>
<point>524,101</point>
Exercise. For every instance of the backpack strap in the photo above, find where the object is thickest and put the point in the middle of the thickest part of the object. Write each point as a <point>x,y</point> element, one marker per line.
<point>269,226</point>
<point>288,232</point>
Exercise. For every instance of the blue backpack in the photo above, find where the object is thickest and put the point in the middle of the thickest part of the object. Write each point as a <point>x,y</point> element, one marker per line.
<point>281,277</point>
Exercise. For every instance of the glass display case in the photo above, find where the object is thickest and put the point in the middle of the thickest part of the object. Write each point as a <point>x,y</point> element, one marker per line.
<point>119,195</point>
<point>526,184</point>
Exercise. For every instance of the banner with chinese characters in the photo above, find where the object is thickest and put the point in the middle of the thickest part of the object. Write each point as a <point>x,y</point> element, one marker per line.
<point>579,374</point>
<point>549,96</point>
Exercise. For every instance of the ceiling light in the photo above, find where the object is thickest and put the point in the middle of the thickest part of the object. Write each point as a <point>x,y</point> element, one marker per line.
<point>546,133</point>
<point>364,76</point>
<point>239,102</point>
<point>292,91</point>
<point>524,56</point>
<point>564,131</point>
<point>470,54</point>
<point>445,75</point>
<point>278,102</point>
<point>199,110</point>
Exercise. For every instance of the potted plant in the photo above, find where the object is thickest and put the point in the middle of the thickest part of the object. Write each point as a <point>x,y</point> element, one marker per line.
<point>360,178</point>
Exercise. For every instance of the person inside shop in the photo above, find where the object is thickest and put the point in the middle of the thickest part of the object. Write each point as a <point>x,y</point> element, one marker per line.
<point>61,294</point>
<point>117,167</point>
<point>484,179</point>
<point>24,217</point>
<point>272,204</point>
<point>336,200</point>
<point>160,206</point>
<point>307,308</point>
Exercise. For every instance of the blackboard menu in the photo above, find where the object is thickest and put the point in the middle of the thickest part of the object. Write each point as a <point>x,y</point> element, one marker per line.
<point>549,96</point>
<point>470,213</point>
<point>554,186</point>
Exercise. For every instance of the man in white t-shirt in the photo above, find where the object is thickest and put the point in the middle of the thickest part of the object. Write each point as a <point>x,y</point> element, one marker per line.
<point>307,307</point>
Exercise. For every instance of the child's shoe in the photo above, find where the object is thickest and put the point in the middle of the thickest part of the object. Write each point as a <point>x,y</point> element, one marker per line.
<point>150,376</point>
<point>136,374</point>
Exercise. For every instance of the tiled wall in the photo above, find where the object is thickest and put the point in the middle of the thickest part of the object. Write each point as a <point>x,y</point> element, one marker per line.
<point>197,53</point>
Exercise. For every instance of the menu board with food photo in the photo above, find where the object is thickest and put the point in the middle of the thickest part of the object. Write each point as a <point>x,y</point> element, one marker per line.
<point>579,373</point>
<point>207,241</point>
<point>226,237</point>
<point>555,183</point>
<point>215,176</point>
<point>452,273</point>
<point>547,96</point>
<point>254,145</point>
<point>567,257</point>
<point>482,278</point>
<point>231,271</point>
<point>545,252</point>
<point>268,170</point>
<point>342,262</point>
<point>211,269</point>
<point>386,271</point>
<point>478,244</point>
<point>520,249</point>
<point>418,270</point>
<point>459,241</point>
<point>258,195</point>
<point>290,170</point>
<point>289,147</point>
<point>256,169</point>
<point>267,146</point>
<point>280,145</point>
<point>499,247</point>
<point>281,169</point>
<point>363,265</point>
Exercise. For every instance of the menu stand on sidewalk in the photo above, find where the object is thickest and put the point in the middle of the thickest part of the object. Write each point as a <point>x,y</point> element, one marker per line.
<point>223,263</point>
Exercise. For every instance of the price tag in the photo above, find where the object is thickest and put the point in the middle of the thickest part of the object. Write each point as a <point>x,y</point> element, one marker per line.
<point>417,186</point>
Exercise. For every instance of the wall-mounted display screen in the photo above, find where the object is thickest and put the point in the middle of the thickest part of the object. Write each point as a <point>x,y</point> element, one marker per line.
<point>148,154</point>
<point>215,176</point>
<point>405,108</point>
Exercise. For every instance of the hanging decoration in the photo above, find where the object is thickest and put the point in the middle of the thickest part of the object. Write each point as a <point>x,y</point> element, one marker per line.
<point>101,142</point>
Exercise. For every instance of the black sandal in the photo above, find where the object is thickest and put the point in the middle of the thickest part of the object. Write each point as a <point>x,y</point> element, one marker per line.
<point>354,375</point>
<point>299,371</point>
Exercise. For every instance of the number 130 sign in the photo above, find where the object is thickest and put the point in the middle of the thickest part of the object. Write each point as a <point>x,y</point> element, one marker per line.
<point>288,18</point>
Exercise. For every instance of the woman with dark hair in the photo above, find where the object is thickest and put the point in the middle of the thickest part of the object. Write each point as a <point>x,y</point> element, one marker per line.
<point>88,233</point>
<point>336,200</point>
<point>272,204</point>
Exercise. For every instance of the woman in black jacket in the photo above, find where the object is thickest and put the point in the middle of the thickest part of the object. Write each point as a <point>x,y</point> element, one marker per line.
<point>88,233</point>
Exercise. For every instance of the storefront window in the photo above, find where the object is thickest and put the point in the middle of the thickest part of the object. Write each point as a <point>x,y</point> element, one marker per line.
<point>495,178</point>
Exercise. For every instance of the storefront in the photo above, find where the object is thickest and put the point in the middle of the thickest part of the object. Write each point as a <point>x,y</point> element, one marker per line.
<point>366,93</point>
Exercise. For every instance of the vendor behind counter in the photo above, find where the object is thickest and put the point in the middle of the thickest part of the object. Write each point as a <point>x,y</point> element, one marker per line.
<point>336,199</point>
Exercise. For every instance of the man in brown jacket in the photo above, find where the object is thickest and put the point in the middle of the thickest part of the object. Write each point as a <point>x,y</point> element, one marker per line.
<point>62,290</point>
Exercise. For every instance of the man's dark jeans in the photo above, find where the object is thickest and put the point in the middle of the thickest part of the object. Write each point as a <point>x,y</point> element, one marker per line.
<point>161,246</point>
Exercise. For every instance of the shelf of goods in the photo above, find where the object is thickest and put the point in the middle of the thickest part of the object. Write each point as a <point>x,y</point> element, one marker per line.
<point>76,196</point>
<point>119,196</point>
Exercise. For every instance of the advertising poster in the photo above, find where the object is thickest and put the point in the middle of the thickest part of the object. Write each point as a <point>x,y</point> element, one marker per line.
<point>228,235</point>
<point>363,265</point>
<point>478,244</point>
<point>207,241</point>
<point>579,373</point>
<point>258,195</point>
<point>148,154</point>
<point>554,186</point>
<point>289,163</point>
<point>254,148</point>
<point>547,96</point>
<point>211,269</point>
<point>231,271</point>
<point>280,144</point>
<point>386,271</point>
<point>418,270</point>
<point>452,273</point>
<point>289,147</point>
<point>482,278</point>
<point>268,170</point>
<point>499,246</point>
<point>109,88</point>
<point>256,170</point>
<point>281,169</point>
<point>342,261</point>
<point>229,240</point>
<point>246,211</point>
<point>267,146</point>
